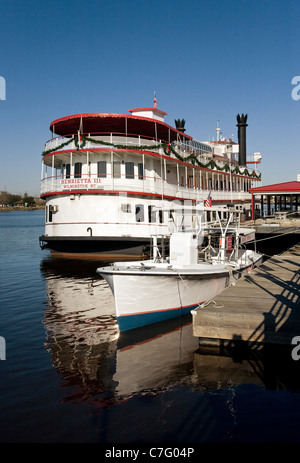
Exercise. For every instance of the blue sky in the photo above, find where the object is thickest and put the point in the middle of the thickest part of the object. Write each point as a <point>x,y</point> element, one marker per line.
<point>206,60</point>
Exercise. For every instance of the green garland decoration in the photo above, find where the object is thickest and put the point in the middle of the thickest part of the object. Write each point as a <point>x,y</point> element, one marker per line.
<point>83,142</point>
<point>44,153</point>
<point>135,147</point>
<point>168,149</point>
<point>212,164</point>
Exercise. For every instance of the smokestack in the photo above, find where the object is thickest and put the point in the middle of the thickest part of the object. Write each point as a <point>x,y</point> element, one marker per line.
<point>180,123</point>
<point>241,125</point>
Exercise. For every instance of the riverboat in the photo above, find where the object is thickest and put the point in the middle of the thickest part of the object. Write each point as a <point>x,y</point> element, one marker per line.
<point>104,177</point>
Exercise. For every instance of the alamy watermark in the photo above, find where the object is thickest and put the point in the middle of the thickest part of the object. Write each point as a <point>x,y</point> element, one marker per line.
<point>2,88</point>
<point>2,348</point>
<point>296,89</point>
<point>296,350</point>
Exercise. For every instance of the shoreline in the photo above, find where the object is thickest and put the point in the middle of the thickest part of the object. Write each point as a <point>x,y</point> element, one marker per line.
<point>22,208</point>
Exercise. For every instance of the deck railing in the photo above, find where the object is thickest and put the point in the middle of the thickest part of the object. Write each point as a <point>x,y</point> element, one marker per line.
<point>156,186</point>
<point>203,158</point>
<point>111,141</point>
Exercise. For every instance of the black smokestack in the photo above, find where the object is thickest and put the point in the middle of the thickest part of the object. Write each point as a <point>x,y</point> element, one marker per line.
<point>241,125</point>
<point>180,123</point>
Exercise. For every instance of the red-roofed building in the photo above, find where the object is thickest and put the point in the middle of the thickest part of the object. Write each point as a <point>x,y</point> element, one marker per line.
<point>285,196</point>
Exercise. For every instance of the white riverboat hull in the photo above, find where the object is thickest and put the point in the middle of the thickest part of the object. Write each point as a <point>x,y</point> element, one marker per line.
<point>145,295</point>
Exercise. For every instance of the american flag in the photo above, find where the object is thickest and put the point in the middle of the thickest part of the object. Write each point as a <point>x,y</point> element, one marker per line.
<point>208,201</point>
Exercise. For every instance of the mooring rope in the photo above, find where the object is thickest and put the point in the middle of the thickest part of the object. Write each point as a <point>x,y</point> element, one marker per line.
<point>205,304</point>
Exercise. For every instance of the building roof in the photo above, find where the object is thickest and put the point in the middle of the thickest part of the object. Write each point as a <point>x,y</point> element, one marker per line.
<point>280,188</point>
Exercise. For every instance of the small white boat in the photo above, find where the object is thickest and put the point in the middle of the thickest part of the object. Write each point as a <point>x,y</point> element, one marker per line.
<point>202,262</point>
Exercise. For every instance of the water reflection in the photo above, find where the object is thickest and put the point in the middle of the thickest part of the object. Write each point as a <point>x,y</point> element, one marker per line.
<point>102,367</point>
<point>270,366</point>
<point>80,304</point>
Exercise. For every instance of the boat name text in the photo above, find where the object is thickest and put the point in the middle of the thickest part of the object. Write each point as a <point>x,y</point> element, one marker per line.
<point>78,182</point>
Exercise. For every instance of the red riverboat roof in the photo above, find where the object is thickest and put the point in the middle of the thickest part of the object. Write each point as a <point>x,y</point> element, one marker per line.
<point>285,187</point>
<point>100,123</point>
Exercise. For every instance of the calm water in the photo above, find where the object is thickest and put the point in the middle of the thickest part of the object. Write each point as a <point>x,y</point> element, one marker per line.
<point>68,377</point>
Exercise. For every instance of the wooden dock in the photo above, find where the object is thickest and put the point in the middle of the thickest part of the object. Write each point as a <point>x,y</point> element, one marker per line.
<point>262,307</point>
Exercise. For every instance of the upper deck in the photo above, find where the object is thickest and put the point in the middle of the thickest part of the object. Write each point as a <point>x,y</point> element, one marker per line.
<point>155,150</point>
<point>143,122</point>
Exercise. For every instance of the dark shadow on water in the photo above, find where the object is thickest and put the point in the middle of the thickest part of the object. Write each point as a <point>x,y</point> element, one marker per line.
<point>268,365</point>
<point>75,268</point>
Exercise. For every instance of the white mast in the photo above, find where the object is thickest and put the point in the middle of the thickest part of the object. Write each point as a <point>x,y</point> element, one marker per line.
<point>218,131</point>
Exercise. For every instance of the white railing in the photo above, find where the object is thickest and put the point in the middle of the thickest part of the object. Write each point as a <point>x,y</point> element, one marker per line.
<point>110,139</point>
<point>157,187</point>
<point>180,148</point>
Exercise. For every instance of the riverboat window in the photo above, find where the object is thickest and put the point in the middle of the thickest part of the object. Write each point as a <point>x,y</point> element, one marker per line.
<point>126,208</point>
<point>102,169</point>
<point>151,214</point>
<point>129,169</point>
<point>117,169</point>
<point>66,168</point>
<point>139,213</point>
<point>48,214</point>
<point>141,171</point>
<point>78,169</point>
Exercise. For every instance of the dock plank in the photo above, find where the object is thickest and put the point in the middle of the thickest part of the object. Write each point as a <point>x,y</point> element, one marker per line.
<point>263,306</point>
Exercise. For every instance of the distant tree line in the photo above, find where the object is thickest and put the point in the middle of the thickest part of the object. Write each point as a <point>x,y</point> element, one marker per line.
<point>15,200</point>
